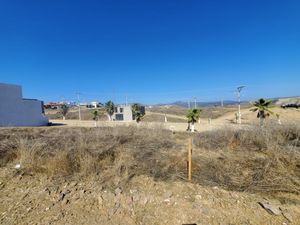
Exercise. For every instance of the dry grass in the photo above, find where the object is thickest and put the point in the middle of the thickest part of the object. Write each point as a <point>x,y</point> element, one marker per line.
<point>255,160</point>
<point>260,160</point>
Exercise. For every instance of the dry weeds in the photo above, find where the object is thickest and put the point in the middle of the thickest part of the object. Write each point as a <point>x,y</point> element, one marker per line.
<point>254,160</point>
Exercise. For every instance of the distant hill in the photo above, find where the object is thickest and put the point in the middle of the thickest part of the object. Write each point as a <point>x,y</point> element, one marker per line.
<point>277,101</point>
<point>289,100</point>
<point>202,104</point>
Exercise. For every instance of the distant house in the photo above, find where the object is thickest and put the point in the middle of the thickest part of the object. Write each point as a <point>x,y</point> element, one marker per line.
<point>95,105</point>
<point>53,105</point>
<point>124,113</point>
<point>18,111</point>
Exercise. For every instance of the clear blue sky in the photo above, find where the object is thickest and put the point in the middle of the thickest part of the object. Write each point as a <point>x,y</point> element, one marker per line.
<point>152,50</point>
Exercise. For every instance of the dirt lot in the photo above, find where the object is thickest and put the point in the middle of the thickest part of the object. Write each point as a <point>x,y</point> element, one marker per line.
<point>127,175</point>
<point>178,122</point>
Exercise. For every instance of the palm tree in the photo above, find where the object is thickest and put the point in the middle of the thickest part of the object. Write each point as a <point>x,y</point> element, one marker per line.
<point>95,116</point>
<point>262,107</point>
<point>110,109</point>
<point>64,110</point>
<point>193,116</point>
<point>136,112</point>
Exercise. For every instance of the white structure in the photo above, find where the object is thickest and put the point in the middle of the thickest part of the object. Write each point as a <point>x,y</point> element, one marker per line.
<point>122,113</point>
<point>16,111</point>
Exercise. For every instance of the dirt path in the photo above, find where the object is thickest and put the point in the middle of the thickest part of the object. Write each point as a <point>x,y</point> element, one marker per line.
<point>227,120</point>
<point>168,115</point>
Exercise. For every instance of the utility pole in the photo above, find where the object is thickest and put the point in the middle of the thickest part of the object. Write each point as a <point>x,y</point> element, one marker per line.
<point>79,111</point>
<point>239,116</point>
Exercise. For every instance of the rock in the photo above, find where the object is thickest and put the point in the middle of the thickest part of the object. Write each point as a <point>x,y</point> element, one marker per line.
<point>168,194</point>
<point>18,166</point>
<point>204,211</point>
<point>271,209</point>
<point>198,198</point>
<point>62,197</point>
<point>118,191</point>
<point>144,201</point>
<point>133,191</point>
<point>167,201</point>
<point>107,196</point>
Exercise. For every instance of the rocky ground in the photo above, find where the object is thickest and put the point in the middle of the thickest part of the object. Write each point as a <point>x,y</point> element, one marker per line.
<point>34,199</point>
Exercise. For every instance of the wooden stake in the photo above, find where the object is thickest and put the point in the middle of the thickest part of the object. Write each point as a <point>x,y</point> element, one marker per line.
<point>190,152</point>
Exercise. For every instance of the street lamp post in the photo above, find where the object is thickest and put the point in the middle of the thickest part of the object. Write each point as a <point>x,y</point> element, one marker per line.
<point>79,111</point>
<point>239,116</point>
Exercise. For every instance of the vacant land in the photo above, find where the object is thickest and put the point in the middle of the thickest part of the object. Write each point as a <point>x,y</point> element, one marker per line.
<point>129,175</point>
<point>176,122</point>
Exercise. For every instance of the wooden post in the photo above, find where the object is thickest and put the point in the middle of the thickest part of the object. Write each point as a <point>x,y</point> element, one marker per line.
<point>190,152</point>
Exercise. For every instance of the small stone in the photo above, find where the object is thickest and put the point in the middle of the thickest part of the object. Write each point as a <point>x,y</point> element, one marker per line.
<point>168,194</point>
<point>167,201</point>
<point>198,197</point>
<point>205,211</point>
<point>108,196</point>
<point>62,196</point>
<point>132,191</point>
<point>118,191</point>
<point>135,198</point>
<point>271,209</point>
<point>144,201</point>
<point>18,166</point>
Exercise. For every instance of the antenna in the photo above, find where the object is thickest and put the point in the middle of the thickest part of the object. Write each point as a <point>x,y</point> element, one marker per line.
<point>78,99</point>
<point>239,116</point>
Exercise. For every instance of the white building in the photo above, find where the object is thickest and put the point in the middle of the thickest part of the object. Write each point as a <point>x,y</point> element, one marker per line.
<point>124,113</point>
<point>17,111</point>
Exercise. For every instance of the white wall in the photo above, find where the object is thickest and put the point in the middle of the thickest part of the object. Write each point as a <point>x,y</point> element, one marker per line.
<point>127,113</point>
<point>16,111</point>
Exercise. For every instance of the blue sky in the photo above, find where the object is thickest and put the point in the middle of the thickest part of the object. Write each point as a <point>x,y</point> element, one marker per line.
<point>152,51</point>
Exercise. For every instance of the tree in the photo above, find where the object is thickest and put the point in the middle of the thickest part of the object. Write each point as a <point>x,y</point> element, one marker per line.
<point>262,107</point>
<point>64,109</point>
<point>110,109</point>
<point>95,116</point>
<point>137,112</point>
<point>193,116</point>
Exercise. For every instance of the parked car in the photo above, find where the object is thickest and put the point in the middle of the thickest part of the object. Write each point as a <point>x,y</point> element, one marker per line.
<point>290,106</point>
